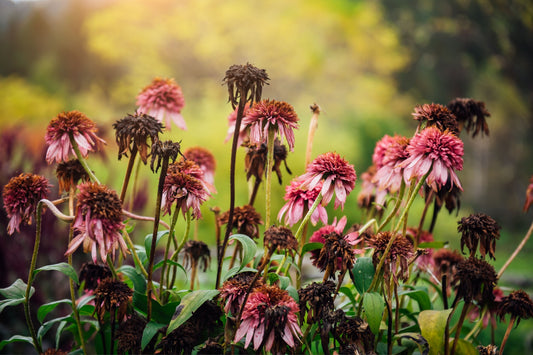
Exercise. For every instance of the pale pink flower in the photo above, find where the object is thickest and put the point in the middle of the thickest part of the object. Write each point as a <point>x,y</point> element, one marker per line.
<point>439,152</point>
<point>64,125</point>
<point>184,190</point>
<point>370,195</point>
<point>243,130</point>
<point>269,318</point>
<point>163,99</point>
<point>298,199</point>
<point>21,195</point>
<point>98,222</point>
<point>267,114</point>
<point>389,176</point>
<point>380,149</point>
<point>205,160</point>
<point>337,175</point>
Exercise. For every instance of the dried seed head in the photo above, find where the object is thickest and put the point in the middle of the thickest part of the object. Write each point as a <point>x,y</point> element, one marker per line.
<point>93,274</point>
<point>245,82</point>
<point>111,296</point>
<point>475,280</point>
<point>246,220</point>
<point>70,173</point>
<point>479,229</point>
<point>280,239</point>
<point>139,131</point>
<point>129,334</point>
<point>401,250</point>
<point>446,261</point>
<point>161,151</point>
<point>316,300</point>
<point>518,305</point>
<point>470,114</point>
<point>438,116</point>
<point>197,252</point>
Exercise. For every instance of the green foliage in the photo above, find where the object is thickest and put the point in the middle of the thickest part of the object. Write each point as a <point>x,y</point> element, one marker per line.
<point>432,325</point>
<point>189,303</point>
<point>14,294</point>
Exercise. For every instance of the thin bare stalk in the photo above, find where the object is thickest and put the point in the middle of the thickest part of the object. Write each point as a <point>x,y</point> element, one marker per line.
<point>167,249</point>
<point>81,159</point>
<point>129,169</point>
<point>507,332</point>
<point>268,175</point>
<point>144,218</point>
<point>517,250</point>
<point>311,134</point>
<point>460,325</point>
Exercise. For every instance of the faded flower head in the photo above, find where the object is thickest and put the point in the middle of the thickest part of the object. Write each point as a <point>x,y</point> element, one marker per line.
<point>518,305</point>
<point>246,220</point>
<point>380,149</point>
<point>271,114</point>
<point>98,221</point>
<point>70,173</point>
<point>446,261</point>
<point>337,175</point>
<point>245,82</point>
<point>137,133</point>
<point>196,252</point>
<point>316,300</point>
<point>439,152</point>
<point>389,176</point>
<point>529,195</point>
<point>162,151</point>
<point>269,318</point>
<point>370,195</point>
<point>130,333</point>
<point>65,125</point>
<point>435,115</point>
<point>355,335</point>
<point>233,290</point>
<point>184,190</point>
<point>470,114</point>
<point>110,296</point>
<point>479,229</point>
<point>163,100</point>
<point>299,200</point>
<point>475,280</point>
<point>93,274</point>
<point>280,239</point>
<point>190,167</point>
<point>21,195</point>
<point>204,159</point>
<point>401,251</point>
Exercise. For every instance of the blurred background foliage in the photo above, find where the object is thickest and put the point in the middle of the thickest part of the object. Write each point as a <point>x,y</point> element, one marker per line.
<point>365,63</point>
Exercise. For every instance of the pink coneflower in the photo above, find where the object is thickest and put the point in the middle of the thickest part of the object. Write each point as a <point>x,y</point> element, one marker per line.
<point>191,168</point>
<point>163,99</point>
<point>338,177</point>
<point>21,195</point>
<point>98,221</point>
<point>440,152</point>
<point>205,160</point>
<point>380,149</point>
<point>269,318</point>
<point>389,176</point>
<point>64,125</point>
<point>243,131</point>
<point>267,114</point>
<point>186,191</point>
<point>370,195</point>
<point>298,199</point>
<point>436,115</point>
<point>233,291</point>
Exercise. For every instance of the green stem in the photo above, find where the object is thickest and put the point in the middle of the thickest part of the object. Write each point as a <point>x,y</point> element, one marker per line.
<point>395,209</point>
<point>81,159</point>
<point>282,263</point>
<point>411,199</point>
<point>307,217</point>
<point>134,253</point>
<point>167,249</point>
<point>268,174</point>
<point>112,267</point>
<point>180,246</point>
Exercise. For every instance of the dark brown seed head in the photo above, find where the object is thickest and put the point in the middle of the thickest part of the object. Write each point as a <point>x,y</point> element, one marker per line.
<point>470,114</point>
<point>139,131</point>
<point>161,151</point>
<point>197,252</point>
<point>245,82</point>
<point>475,280</point>
<point>316,300</point>
<point>280,239</point>
<point>246,220</point>
<point>111,296</point>
<point>518,305</point>
<point>479,229</point>
<point>70,173</point>
<point>438,116</point>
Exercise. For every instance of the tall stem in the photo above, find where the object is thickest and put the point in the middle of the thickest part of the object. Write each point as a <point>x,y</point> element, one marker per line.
<point>311,134</point>
<point>507,332</point>
<point>460,325</point>
<point>268,174</point>
<point>301,228</point>
<point>81,159</point>
<point>129,169</point>
<point>517,250</point>
<point>180,246</point>
<point>395,209</point>
<point>167,249</point>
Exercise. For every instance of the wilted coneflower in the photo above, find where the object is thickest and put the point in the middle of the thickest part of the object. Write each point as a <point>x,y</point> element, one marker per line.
<point>475,280</point>
<point>337,175</point>
<point>269,318</point>
<point>470,114</point>
<point>271,114</point>
<point>439,153</point>
<point>246,220</point>
<point>316,300</point>
<point>162,151</point>
<point>371,196</point>
<point>529,195</point>
<point>256,157</point>
<point>62,127</point>
<point>196,253</point>
<point>389,176</point>
<point>519,306</point>
<point>98,221</point>
<point>185,191</point>
<point>110,296</point>
<point>246,80</point>
<point>401,251</point>
<point>191,168</point>
<point>280,239</point>
<point>435,115</point>
<point>163,100</point>
<point>244,133</point>
<point>205,160</point>
<point>70,173</point>
<point>21,196</point>
<point>137,133</point>
<point>479,229</point>
<point>92,275</point>
<point>233,291</point>
<point>354,333</point>
<point>446,261</point>
<point>299,200</point>
<point>130,333</point>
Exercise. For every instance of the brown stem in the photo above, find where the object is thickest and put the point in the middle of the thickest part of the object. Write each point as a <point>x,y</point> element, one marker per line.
<point>194,267</point>
<point>507,332</point>
<point>129,169</point>
<point>460,325</point>
<point>424,212</point>
<point>517,250</point>
<point>257,183</point>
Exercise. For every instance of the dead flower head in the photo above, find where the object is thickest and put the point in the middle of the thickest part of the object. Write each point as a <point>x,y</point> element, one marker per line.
<point>401,250</point>
<point>246,220</point>
<point>479,229</point>
<point>137,133</point>
<point>110,296</point>
<point>475,280</point>
<point>245,82</point>
<point>470,114</point>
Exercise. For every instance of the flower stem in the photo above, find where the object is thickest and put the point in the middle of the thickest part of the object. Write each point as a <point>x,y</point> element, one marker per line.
<point>144,218</point>
<point>129,169</point>
<point>299,232</point>
<point>134,253</point>
<point>180,246</point>
<point>82,160</point>
<point>167,249</point>
<point>460,325</point>
<point>395,209</point>
<point>517,250</point>
<point>507,332</point>
<point>268,174</point>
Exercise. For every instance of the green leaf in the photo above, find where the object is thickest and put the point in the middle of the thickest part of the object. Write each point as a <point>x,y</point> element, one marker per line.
<point>190,303</point>
<point>348,292</point>
<point>373,304</point>
<point>171,263</point>
<point>16,338</point>
<point>432,326</point>
<point>48,307</point>
<point>61,267</point>
<point>14,294</point>
<point>60,328</point>
<point>149,332</point>
<point>432,245</point>
<point>148,240</point>
<point>293,292</point>
<point>43,329</point>
<point>235,270</point>
<point>138,280</point>
<point>311,246</point>
<point>284,281</point>
<point>363,272</point>
<point>161,314</point>
<point>249,248</point>
<point>464,347</point>
<point>420,296</point>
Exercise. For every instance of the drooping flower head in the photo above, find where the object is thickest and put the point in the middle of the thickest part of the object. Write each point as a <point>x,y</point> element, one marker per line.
<point>269,318</point>
<point>271,114</point>
<point>280,239</point>
<point>185,191</point>
<point>316,300</point>
<point>92,274</point>
<point>66,124</point>
<point>138,132</point>
<point>246,220</point>
<point>110,296</point>
<point>370,195</point>
<point>299,200</point>
<point>518,305</point>
<point>205,160</point>
<point>70,173</point>
<point>196,252</point>
<point>435,115</point>
<point>98,221</point>
<point>401,251</point>
<point>389,176</point>
<point>161,151</point>
<point>190,167</point>
<point>245,82</point>
<point>233,291</point>
<point>337,175</point>
<point>479,229</point>
<point>355,336</point>
<point>21,195</point>
<point>446,261</point>
<point>475,280</point>
<point>163,100</point>
<point>442,152</point>
<point>529,195</point>
<point>470,114</point>
<point>256,158</point>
